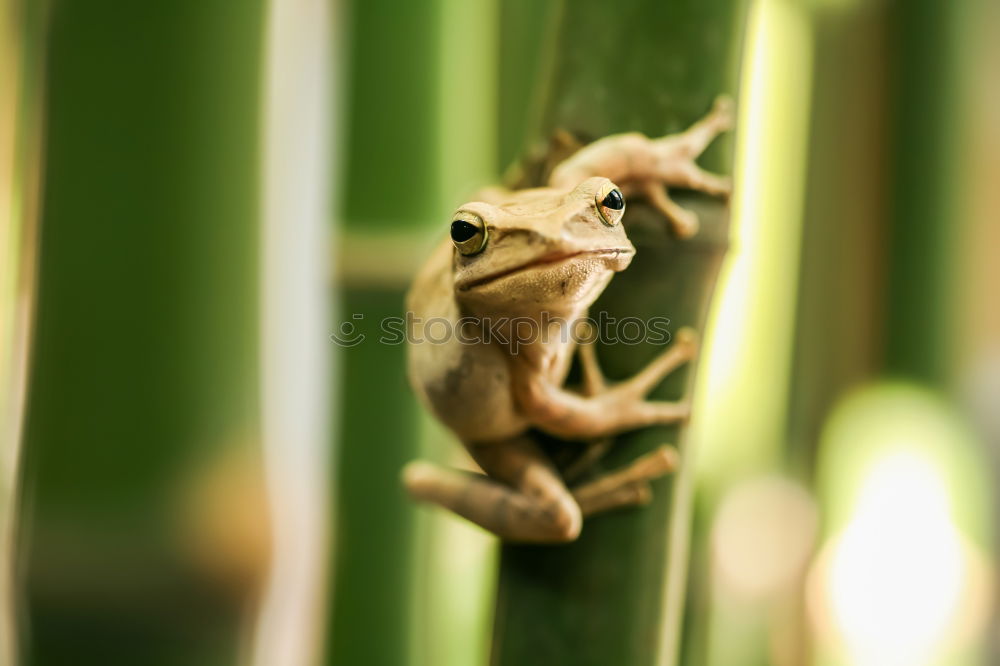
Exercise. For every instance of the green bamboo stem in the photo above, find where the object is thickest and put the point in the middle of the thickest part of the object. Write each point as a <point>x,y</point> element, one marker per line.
<point>923,135</point>
<point>145,347</point>
<point>613,597</point>
<point>838,312</point>
<point>390,186</point>
<point>21,33</point>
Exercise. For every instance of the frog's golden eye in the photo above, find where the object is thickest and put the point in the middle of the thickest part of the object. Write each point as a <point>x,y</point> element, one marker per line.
<point>469,233</point>
<point>610,204</point>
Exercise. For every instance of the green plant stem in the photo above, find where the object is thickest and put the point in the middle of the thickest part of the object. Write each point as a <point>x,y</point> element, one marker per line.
<point>614,596</point>
<point>145,347</point>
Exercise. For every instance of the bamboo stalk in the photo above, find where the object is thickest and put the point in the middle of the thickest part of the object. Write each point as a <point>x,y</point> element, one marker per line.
<point>389,186</point>
<point>653,67</point>
<point>21,37</point>
<point>145,347</point>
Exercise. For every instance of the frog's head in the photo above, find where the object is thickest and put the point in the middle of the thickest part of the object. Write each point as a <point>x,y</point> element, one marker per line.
<point>539,250</point>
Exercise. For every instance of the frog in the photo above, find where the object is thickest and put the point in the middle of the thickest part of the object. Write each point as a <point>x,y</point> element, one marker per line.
<point>496,315</point>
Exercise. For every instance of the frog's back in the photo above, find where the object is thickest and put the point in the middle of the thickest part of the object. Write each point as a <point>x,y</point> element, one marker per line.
<point>466,384</point>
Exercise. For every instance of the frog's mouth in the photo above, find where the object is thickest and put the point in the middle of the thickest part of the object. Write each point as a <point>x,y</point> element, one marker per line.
<point>615,258</point>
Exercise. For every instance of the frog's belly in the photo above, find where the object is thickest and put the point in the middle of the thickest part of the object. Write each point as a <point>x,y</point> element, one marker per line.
<point>468,387</point>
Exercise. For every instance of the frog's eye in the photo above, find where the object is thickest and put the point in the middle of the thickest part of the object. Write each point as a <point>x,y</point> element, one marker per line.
<point>610,204</point>
<point>468,233</point>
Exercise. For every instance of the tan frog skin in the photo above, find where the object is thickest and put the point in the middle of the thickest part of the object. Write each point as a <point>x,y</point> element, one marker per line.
<point>523,264</point>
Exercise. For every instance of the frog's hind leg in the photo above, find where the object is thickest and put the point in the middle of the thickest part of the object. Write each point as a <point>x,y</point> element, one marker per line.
<point>522,499</point>
<point>628,486</point>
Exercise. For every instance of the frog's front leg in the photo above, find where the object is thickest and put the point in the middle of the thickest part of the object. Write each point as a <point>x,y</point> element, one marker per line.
<point>652,166</point>
<point>593,379</point>
<point>594,383</point>
<point>618,408</point>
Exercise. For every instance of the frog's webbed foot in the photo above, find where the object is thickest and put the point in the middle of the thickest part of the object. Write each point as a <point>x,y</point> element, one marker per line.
<point>675,157</point>
<point>628,486</point>
<point>694,140</point>
<point>603,410</point>
<point>683,349</point>
<point>635,389</point>
<point>683,221</point>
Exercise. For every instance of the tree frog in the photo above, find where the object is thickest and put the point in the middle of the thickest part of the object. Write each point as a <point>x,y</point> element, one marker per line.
<point>493,313</point>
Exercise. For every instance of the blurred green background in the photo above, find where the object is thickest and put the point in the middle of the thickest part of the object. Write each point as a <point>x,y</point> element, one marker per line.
<point>195,195</point>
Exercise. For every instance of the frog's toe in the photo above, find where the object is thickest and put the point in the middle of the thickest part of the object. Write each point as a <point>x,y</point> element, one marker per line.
<point>724,109</point>
<point>665,413</point>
